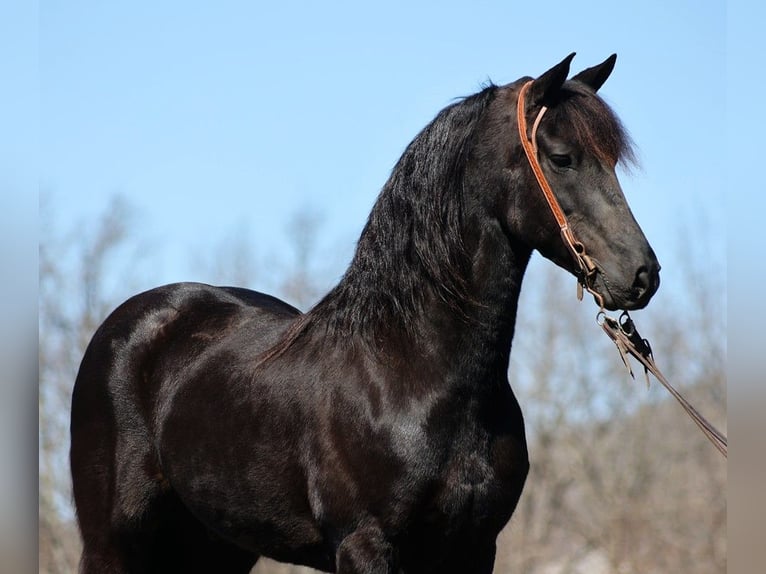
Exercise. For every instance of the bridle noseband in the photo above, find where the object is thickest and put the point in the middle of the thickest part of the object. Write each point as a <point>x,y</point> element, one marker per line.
<point>588,268</point>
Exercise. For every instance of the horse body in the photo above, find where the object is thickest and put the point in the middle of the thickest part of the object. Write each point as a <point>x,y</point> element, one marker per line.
<point>291,458</point>
<point>375,433</point>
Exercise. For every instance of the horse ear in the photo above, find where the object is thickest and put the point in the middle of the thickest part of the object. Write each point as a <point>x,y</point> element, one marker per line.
<point>597,75</point>
<point>548,84</point>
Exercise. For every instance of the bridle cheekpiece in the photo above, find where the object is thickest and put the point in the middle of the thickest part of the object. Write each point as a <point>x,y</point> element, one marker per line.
<point>588,268</point>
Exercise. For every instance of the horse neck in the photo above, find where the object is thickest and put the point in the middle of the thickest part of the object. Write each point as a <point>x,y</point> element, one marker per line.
<point>401,313</point>
<point>480,336</point>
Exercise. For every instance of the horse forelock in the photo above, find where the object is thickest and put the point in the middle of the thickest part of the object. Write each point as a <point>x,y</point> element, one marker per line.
<point>592,124</point>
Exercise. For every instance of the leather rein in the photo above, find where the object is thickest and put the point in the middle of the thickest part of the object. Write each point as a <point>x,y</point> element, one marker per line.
<point>621,331</point>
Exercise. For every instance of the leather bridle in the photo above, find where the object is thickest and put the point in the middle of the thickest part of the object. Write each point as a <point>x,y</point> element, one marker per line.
<point>621,331</point>
<point>588,267</point>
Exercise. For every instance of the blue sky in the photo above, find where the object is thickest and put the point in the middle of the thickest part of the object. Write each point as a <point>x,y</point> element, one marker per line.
<point>234,115</point>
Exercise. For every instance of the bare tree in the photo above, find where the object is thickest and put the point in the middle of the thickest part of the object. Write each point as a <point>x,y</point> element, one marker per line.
<point>620,479</point>
<point>73,300</point>
<point>232,261</point>
<point>301,283</point>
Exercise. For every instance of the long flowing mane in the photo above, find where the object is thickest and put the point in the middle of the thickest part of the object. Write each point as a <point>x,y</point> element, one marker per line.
<point>589,121</point>
<point>411,247</point>
<point>412,237</point>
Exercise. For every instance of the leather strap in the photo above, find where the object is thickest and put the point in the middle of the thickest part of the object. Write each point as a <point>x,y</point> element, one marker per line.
<point>625,336</point>
<point>588,267</point>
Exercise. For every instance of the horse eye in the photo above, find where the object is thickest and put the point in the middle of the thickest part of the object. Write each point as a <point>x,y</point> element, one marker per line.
<point>561,160</point>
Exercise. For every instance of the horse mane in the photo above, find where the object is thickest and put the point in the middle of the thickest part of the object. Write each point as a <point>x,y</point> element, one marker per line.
<point>412,238</point>
<point>411,246</point>
<point>589,120</point>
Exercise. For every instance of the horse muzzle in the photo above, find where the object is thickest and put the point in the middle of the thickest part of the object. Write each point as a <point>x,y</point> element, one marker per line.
<point>625,295</point>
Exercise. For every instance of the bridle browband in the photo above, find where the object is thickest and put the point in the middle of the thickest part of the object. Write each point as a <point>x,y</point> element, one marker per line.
<point>621,331</point>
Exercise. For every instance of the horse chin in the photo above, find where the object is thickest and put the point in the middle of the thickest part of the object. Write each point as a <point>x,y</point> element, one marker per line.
<point>617,299</point>
<point>619,304</point>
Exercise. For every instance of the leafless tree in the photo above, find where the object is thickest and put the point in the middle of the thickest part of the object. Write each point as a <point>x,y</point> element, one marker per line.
<point>73,299</point>
<point>621,481</point>
<point>233,260</point>
<point>300,284</point>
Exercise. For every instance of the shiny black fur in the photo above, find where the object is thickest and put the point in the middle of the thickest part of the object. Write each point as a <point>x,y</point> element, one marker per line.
<point>377,432</point>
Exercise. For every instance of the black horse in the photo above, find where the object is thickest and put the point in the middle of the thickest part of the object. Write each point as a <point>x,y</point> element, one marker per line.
<point>377,432</point>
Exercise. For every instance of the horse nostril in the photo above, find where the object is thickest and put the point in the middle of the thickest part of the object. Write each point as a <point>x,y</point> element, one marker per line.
<point>646,282</point>
<point>643,282</point>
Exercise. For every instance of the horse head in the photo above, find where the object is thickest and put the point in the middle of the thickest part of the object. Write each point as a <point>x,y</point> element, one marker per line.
<point>578,142</point>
